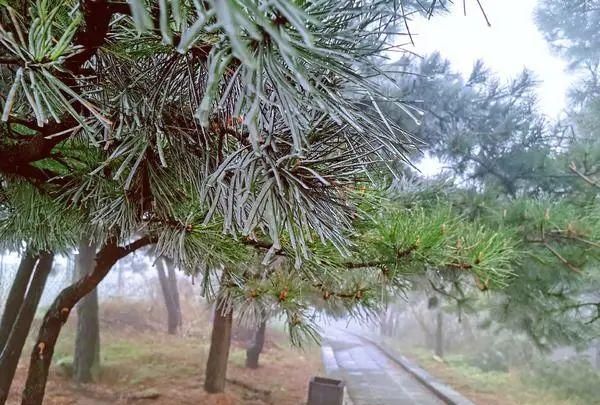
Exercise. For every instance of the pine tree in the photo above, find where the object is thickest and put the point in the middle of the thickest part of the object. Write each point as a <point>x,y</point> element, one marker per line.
<point>514,170</point>
<point>204,127</point>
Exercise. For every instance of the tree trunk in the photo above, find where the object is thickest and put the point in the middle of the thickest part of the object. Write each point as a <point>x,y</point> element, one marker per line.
<point>86,358</point>
<point>174,288</point>
<point>58,312</point>
<point>120,280</point>
<point>16,296</point>
<point>9,359</point>
<point>423,325</point>
<point>220,341</point>
<point>168,286</point>
<point>258,341</point>
<point>386,322</point>
<point>439,334</point>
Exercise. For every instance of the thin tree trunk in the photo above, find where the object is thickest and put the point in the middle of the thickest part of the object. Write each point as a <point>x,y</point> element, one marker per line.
<point>86,358</point>
<point>439,334</point>
<point>120,279</point>
<point>423,325</point>
<point>386,323</point>
<point>16,296</point>
<point>58,312</point>
<point>220,342</point>
<point>174,288</point>
<point>170,295</point>
<point>253,352</point>
<point>9,359</point>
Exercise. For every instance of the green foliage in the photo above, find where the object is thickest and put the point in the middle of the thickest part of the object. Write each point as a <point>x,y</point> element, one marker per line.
<point>247,102</point>
<point>390,247</point>
<point>511,170</point>
<point>535,382</point>
<point>239,106</point>
<point>213,126</point>
<point>41,48</point>
<point>31,218</point>
<point>490,360</point>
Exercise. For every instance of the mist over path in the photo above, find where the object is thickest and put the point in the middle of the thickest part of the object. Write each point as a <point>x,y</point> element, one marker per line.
<point>371,377</point>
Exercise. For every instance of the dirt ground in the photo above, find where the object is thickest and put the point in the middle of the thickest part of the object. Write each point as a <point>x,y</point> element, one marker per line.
<point>143,365</point>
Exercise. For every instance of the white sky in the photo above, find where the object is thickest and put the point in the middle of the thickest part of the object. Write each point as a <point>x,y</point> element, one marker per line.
<point>512,43</point>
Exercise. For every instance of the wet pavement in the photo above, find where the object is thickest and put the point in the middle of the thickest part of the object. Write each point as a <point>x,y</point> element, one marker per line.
<point>371,377</point>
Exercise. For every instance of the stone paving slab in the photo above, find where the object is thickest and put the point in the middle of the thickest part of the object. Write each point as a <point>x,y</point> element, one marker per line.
<point>446,393</point>
<point>371,377</point>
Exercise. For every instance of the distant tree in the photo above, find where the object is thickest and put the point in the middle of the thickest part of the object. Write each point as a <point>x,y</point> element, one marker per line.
<point>514,168</point>
<point>487,133</point>
<point>220,341</point>
<point>570,27</point>
<point>168,285</point>
<point>16,295</point>
<point>257,343</point>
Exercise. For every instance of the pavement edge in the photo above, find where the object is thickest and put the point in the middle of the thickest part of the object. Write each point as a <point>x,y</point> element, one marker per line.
<point>331,368</point>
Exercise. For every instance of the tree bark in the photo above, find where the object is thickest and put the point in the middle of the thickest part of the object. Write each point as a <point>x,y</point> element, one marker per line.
<point>253,352</point>
<point>220,342</point>
<point>86,357</point>
<point>16,296</point>
<point>58,312</point>
<point>174,288</point>
<point>9,359</point>
<point>168,285</point>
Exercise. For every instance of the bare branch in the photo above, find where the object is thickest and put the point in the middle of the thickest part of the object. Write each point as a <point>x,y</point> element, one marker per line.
<point>586,178</point>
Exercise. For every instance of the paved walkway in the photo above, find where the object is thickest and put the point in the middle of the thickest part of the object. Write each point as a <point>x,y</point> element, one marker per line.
<point>371,377</point>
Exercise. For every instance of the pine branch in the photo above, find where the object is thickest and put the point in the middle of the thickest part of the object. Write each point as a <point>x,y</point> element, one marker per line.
<point>138,244</point>
<point>17,158</point>
<point>440,290</point>
<point>93,34</point>
<point>460,266</point>
<point>360,265</point>
<point>566,235</point>
<point>561,258</point>
<point>10,61</point>
<point>400,254</point>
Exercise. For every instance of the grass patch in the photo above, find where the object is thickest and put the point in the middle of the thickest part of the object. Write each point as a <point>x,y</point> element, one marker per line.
<point>513,387</point>
<point>134,360</point>
<point>575,381</point>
